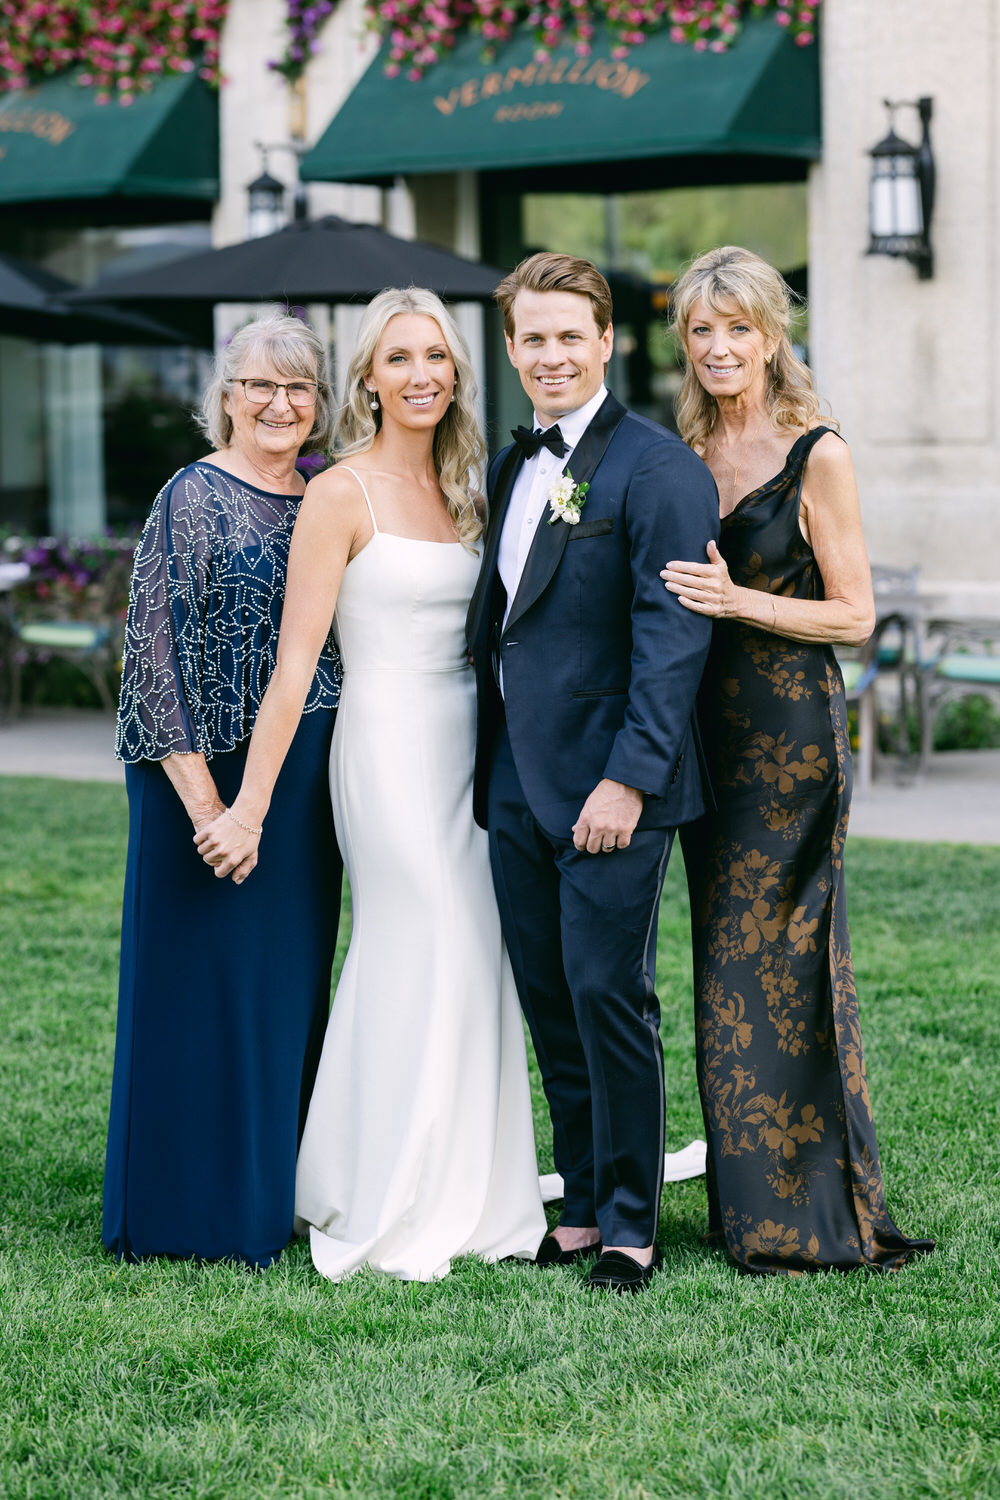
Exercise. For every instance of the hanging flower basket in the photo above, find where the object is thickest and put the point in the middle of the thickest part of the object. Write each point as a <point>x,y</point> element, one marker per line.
<point>419,33</point>
<point>121,46</point>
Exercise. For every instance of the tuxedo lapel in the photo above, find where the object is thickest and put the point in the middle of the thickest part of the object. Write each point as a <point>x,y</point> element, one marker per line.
<point>547,547</point>
<point>509,470</point>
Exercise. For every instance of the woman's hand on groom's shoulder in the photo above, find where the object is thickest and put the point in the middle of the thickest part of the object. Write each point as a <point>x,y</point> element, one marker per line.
<point>706,587</point>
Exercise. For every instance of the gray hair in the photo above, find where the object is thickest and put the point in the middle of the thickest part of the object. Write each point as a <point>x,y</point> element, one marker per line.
<point>289,346</point>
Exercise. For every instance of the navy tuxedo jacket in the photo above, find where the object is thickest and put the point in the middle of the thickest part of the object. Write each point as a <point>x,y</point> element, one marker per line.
<point>601,664</point>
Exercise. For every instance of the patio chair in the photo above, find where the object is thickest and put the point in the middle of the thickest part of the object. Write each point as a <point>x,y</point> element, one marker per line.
<point>966,662</point>
<point>93,646</point>
<point>88,646</point>
<point>892,657</point>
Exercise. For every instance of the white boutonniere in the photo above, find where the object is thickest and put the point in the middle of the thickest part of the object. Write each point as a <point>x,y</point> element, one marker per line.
<point>566,500</point>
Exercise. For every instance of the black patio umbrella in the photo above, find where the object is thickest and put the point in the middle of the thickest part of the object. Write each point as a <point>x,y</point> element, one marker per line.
<point>314,260</point>
<point>33,306</point>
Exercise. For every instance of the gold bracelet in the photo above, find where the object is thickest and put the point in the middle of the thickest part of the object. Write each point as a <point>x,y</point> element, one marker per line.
<point>246,826</point>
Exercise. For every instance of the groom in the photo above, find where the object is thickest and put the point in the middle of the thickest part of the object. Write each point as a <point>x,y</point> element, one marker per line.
<point>587,756</point>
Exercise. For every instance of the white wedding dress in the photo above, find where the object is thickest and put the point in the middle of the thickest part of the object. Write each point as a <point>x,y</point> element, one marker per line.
<point>419,1143</point>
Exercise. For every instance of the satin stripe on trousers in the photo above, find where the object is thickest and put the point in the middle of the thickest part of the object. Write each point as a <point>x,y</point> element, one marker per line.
<point>581,933</point>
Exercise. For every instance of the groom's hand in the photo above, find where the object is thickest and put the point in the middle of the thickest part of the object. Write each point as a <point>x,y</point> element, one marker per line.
<point>608,817</point>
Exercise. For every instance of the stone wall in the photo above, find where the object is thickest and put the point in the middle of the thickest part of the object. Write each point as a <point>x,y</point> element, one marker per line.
<point>910,366</point>
<point>257,104</point>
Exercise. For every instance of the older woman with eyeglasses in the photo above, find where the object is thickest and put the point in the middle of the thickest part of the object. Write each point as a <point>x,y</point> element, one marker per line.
<point>224,986</point>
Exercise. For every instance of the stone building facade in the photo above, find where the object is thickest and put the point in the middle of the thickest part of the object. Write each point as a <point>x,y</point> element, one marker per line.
<point>909,366</point>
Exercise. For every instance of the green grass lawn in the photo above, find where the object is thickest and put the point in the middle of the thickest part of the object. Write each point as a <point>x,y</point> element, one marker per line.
<point>166,1380</point>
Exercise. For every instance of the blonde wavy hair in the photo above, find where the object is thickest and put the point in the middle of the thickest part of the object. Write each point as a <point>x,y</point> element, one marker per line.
<point>733,275</point>
<point>459,451</point>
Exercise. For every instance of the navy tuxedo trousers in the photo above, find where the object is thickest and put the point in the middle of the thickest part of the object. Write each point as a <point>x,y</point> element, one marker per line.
<point>581,933</point>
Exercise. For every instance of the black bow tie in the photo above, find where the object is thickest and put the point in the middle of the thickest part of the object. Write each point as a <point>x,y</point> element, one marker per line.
<point>550,437</point>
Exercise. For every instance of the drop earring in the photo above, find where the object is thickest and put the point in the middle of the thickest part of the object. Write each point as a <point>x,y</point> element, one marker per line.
<point>373,402</point>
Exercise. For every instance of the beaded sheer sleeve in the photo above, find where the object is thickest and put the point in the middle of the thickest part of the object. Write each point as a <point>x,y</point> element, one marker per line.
<point>208,584</point>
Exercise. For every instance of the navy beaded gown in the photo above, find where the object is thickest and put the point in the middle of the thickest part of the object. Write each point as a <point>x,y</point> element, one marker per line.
<point>224,990</point>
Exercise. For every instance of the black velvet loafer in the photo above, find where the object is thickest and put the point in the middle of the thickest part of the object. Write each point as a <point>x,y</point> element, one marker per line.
<point>616,1272</point>
<point>551,1253</point>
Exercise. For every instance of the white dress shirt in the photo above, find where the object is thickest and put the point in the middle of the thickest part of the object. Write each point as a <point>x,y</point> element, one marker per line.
<point>528,507</point>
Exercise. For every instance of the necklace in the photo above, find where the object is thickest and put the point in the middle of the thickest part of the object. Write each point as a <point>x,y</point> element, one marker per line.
<point>736,471</point>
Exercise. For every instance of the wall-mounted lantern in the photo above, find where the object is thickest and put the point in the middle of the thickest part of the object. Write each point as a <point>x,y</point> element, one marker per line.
<point>266,208</point>
<point>266,212</point>
<point>902,192</point>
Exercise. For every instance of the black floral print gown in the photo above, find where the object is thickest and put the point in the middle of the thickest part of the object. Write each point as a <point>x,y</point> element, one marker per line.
<point>794,1181</point>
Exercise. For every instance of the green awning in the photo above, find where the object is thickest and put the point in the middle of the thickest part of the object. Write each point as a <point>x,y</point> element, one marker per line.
<point>57,142</point>
<point>665,114</point>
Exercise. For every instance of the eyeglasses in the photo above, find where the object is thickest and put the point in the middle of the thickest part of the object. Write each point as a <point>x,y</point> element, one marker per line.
<point>261,392</point>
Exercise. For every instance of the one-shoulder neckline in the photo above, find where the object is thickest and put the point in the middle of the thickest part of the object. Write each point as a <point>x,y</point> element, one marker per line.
<point>202,463</point>
<point>763,488</point>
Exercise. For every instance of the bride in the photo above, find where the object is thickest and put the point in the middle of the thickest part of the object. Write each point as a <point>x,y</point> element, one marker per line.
<point>418,1144</point>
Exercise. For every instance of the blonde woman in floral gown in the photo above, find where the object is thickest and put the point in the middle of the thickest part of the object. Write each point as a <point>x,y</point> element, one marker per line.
<point>794,1178</point>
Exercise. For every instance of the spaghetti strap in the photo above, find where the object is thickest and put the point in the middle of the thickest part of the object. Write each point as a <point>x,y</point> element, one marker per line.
<point>364,492</point>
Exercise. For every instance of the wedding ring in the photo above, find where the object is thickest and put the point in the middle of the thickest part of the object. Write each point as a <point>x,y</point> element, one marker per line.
<point>607,848</point>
